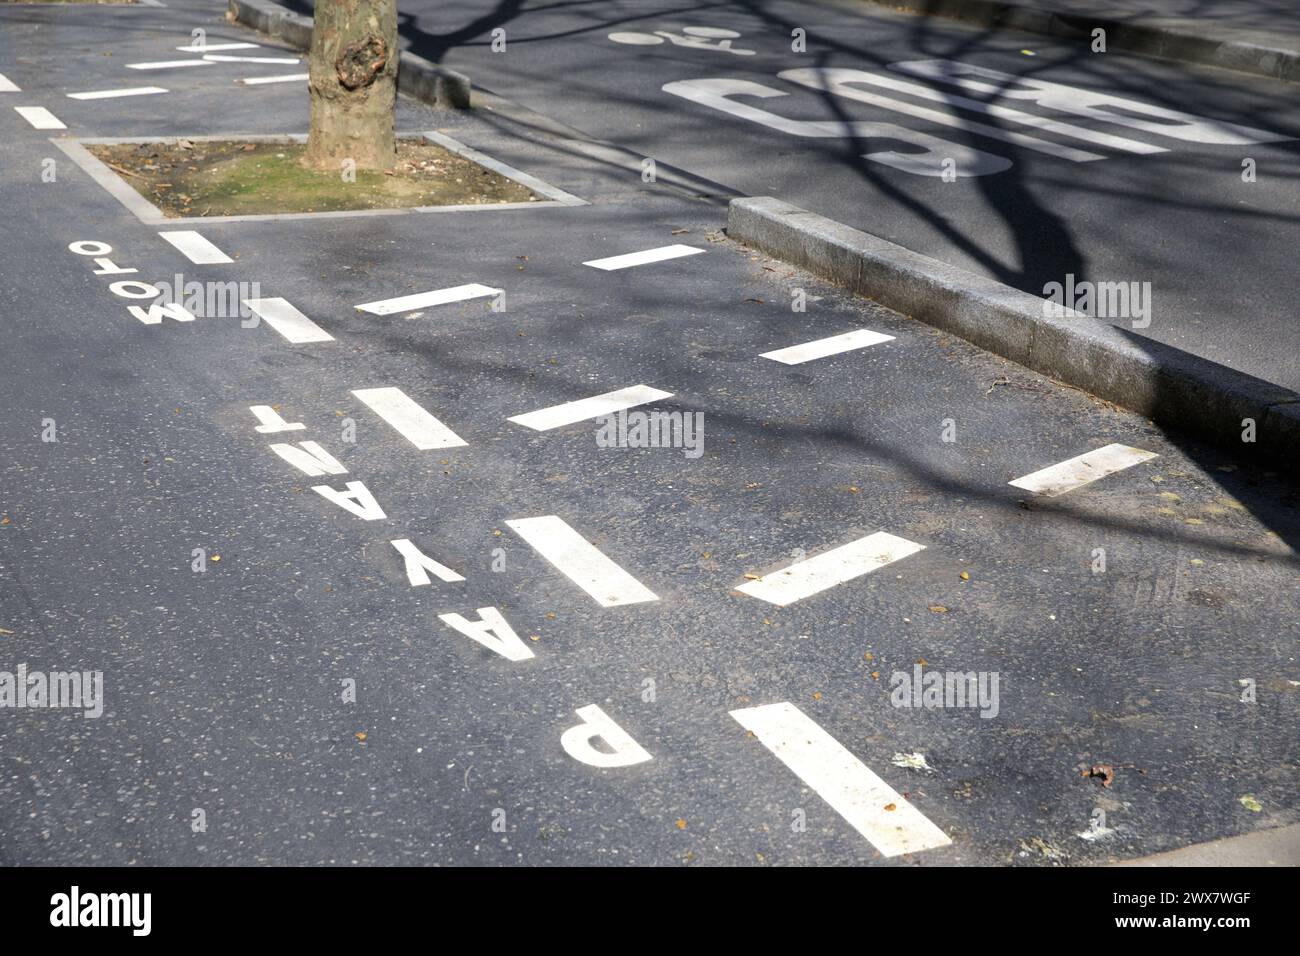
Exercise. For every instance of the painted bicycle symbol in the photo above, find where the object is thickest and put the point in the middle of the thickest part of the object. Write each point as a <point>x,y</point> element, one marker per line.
<point>697,38</point>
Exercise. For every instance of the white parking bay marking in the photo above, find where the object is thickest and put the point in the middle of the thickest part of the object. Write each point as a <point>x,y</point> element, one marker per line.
<point>420,300</point>
<point>645,257</point>
<point>213,47</point>
<point>7,85</point>
<point>580,561</point>
<point>821,348</point>
<point>871,806</point>
<point>280,315</point>
<point>219,58</point>
<point>168,64</point>
<point>408,419</point>
<point>113,94</point>
<point>196,248</point>
<point>259,80</point>
<point>544,419</point>
<point>39,117</point>
<point>814,575</point>
<point>1082,470</point>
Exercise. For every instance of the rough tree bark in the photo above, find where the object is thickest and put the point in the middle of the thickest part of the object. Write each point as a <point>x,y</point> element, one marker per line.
<point>353,83</point>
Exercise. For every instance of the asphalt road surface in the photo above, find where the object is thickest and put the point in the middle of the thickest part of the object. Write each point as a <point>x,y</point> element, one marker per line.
<point>282,685</point>
<point>1117,188</point>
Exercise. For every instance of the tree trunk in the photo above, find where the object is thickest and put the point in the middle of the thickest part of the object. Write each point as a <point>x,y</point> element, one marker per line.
<point>353,83</point>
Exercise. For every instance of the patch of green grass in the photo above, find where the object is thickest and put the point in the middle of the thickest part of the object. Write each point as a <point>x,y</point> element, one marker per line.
<point>233,179</point>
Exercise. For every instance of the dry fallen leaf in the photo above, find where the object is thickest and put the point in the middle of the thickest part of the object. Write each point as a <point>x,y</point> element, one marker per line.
<point>938,609</point>
<point>965,575</point>
<point>360,735</point>
<point>891,807</point>
<point>681,824</point>
<point>1103,770</point>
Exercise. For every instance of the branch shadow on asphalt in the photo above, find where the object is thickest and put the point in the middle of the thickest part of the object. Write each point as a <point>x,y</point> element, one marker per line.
<point>1045,247</point>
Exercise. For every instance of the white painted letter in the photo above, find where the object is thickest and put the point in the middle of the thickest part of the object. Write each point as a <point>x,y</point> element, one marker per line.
<point>357,500</point>
<point>492,631</point>
<point>576,741</point>
<point>418,565</point>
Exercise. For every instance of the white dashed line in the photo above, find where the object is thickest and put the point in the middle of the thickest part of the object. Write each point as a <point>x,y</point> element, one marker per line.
<point>112,94</point>
<point>39,117</point>
<point>580,561</point>
<point>168,64</point>
<point>871,806</point>
<point>7,85</point>
<point>643,258</point>
<point>291,78</point>
<point>219,58</point>
<point>407,418</point>
<point>195,248</point>
<point>814,575</point>
<point>1082,470</point>
<point>857,339</point>
<point>409,303</point>
<point>211,47</point>
<point>288,321</point>
<point>544,419</point>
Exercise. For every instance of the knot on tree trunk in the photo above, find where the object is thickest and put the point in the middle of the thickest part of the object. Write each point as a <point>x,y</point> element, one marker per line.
<point>361,62</point>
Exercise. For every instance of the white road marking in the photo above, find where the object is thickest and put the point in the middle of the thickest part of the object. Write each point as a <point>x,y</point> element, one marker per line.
<point>544,419</point>
<point>927,159</point>
<point>871,806</point>
<point>39,117</point>
<point>620,749</point>
<point>643,258</point>
<point>410,420</point>
<point>291,78</point>
<point>409,303</point>
<point>857,339</point>
<point>219,58</point>
<point>271,422</point>
<point>168,64</point>
<point>288,321</point>
<point>112,94</point>
<point>419,564</point>
<point>355,498</point>
<point>310,458</point>
<point>814,575</point>
<point>7,85</point>
<point>492,631</point>
<point>1098,106</point>
<point>837,81</point>
<point>195,248</point>
<point>1096,137</point>
<point>211,47</point>
<point>580,561</point>
<point>1082,470</point>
